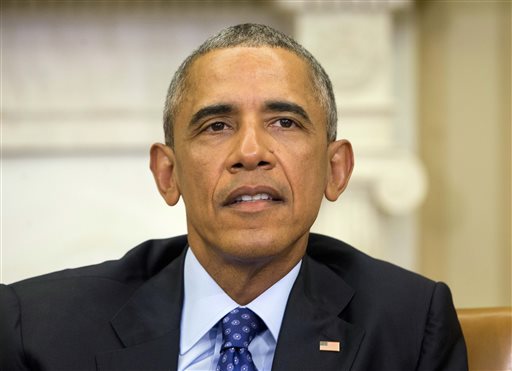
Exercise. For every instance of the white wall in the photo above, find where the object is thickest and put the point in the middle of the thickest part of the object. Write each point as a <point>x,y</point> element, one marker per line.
<point>83,88</point>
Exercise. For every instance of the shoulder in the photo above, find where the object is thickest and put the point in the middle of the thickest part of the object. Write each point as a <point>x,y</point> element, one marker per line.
<point>45,313</point>
<point>409,318</point>
<point>381,288</point>
<point>358,269</point>
<point>135,267</point>
<point>109,283</point>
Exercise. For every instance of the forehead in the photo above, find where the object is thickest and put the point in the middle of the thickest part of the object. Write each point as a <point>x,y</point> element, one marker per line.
<point>248,74</point>
<point>278,59</point>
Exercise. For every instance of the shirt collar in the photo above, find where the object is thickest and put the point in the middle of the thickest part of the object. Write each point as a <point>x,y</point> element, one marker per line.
<point>205,303</point>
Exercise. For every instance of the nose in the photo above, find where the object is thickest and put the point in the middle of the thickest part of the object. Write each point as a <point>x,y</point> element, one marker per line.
<point>251,150</point>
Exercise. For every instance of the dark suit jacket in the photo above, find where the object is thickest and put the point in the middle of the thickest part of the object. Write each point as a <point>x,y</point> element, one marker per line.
<point>125,315</point>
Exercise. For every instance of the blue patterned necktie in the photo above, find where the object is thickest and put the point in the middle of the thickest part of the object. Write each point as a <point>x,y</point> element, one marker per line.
<point>239,327</point>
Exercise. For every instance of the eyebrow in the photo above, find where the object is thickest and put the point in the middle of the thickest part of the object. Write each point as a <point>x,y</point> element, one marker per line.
<point>283,106</point>
<point>214,109</point>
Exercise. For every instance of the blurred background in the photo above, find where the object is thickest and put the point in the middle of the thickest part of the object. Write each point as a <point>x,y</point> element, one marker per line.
<point>423,92</point>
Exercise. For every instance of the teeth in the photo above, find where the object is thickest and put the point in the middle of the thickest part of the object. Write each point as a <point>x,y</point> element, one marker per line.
<point>257,197</point>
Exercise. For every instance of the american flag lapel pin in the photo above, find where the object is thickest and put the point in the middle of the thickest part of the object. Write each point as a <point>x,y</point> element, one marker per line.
<point>329,346</point>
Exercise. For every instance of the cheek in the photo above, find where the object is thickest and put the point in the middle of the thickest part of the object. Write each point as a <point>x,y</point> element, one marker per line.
<point>197,176</point>
<point>307,172</point>
<point>313,160</point>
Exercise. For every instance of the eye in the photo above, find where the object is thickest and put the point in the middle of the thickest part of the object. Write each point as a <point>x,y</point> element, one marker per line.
<point>285,123</point>
<point>216,126</point>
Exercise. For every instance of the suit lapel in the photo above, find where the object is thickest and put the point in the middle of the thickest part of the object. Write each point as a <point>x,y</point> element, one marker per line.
<point>148,325</point>
<point>312,315</point>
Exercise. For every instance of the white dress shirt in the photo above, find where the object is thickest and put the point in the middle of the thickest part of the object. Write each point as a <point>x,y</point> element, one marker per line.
<point>205,304</point>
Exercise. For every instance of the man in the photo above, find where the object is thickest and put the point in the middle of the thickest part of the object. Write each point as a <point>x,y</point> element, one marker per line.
<point>250,126</point>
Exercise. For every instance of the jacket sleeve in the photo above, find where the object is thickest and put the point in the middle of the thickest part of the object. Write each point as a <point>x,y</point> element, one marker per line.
<point>443,346</point>
<point>11,348</point>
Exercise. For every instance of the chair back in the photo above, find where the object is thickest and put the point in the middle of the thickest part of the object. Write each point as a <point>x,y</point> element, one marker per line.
<point>488,335</point>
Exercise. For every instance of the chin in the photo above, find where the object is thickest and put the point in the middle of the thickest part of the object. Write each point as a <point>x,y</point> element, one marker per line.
<point>257,245</point>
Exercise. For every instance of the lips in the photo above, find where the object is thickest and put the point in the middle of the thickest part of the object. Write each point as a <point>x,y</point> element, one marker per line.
<point>253,194</point>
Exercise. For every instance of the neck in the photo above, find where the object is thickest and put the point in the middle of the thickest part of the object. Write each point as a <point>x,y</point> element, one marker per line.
<point>245,280</point>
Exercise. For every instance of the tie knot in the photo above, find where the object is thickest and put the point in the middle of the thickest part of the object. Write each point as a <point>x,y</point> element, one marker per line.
<point>239,327</point>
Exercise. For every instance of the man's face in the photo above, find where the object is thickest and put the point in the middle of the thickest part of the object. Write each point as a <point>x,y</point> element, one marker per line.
<point>251,154</point>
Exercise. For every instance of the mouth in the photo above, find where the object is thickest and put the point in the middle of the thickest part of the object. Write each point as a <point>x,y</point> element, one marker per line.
<point>253,195</point>
<point>257,197</point>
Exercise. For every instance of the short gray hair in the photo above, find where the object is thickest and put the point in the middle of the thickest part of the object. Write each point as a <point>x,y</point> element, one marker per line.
<point>250,35</point>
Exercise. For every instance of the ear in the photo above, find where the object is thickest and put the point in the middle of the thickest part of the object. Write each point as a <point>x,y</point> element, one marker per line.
<point>341,163</point>
<point>163,167</point>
